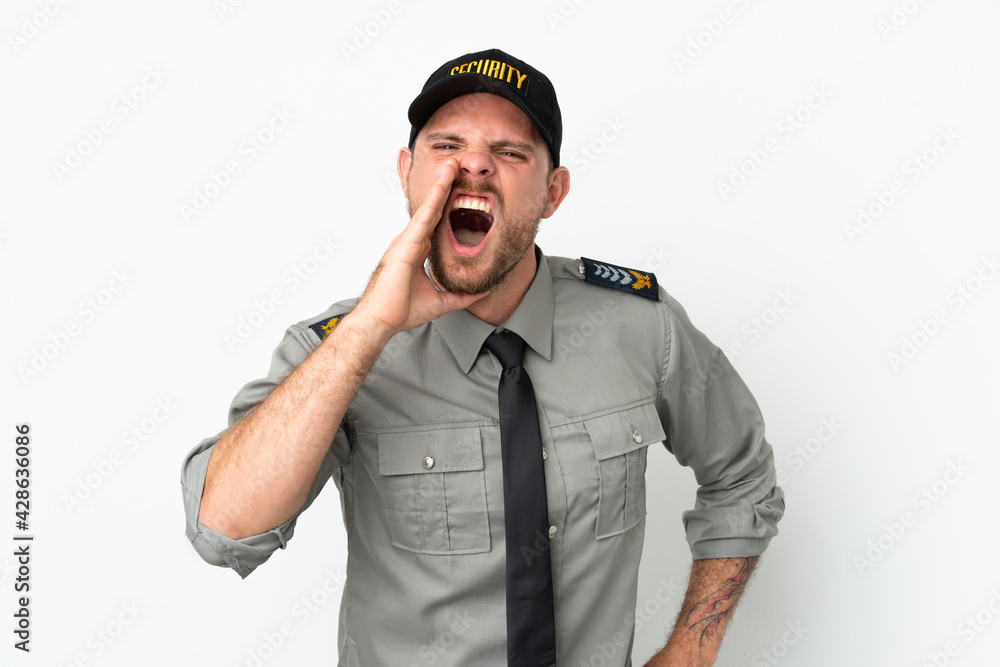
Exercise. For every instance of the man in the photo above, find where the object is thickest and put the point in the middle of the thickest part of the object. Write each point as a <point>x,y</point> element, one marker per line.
<point>486,419</point>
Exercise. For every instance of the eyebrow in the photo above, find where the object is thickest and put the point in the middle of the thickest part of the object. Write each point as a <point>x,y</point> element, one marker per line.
<point>454,138</point>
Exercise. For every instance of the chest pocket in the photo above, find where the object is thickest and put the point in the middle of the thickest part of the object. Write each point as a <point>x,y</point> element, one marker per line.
<point>435,490</point>
<point>620,440</point>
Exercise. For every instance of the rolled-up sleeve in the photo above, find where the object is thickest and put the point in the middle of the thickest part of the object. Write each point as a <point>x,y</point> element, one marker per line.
<point>246,554</point>
<point>714,425</point>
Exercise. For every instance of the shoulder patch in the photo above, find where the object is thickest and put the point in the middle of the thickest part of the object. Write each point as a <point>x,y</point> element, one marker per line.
<point>620,277</point>
<point>324,326</point>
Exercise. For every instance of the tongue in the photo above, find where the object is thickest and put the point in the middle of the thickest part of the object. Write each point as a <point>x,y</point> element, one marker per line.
<point>469,238</point>
<point>470,226</point>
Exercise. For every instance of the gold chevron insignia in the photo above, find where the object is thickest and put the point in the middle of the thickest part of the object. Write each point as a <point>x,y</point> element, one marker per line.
<point>641,281</point>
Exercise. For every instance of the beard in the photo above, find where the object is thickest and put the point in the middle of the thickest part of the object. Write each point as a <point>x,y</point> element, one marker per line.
<point>513,238</point>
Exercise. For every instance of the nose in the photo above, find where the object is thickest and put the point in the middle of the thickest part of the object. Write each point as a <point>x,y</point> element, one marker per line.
<point>476,162</point>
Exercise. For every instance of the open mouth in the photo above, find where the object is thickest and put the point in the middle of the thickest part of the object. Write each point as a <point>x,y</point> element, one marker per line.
<point>471,219</point>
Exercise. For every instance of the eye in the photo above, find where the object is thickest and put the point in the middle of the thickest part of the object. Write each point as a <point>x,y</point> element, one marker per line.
<point>445,147</point>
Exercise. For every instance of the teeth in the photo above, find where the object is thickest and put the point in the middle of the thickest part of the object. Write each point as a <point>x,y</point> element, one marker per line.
<point>474,204</point>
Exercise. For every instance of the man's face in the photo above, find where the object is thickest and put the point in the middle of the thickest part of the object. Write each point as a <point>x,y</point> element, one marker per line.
<point>502,190</point>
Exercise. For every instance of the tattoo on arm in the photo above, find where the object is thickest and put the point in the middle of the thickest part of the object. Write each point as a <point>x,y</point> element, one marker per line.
<point>713,610</point>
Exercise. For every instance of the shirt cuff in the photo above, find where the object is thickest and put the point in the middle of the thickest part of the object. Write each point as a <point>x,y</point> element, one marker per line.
<point>243,555</point>
<point>734,532</point>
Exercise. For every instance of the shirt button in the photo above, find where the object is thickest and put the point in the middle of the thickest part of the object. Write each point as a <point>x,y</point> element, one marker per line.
<point>552,531</point>
<point>428,462</point>
<point>637,436</point>
<point>545,454</point>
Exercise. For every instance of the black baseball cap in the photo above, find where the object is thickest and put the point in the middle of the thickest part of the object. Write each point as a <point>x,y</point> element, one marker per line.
<point>496,72</point>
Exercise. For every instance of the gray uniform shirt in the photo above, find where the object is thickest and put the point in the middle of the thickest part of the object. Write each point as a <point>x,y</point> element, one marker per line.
<point>417,463</point>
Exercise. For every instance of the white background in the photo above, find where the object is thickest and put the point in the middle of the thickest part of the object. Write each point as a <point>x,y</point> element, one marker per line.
<point>859,586</point>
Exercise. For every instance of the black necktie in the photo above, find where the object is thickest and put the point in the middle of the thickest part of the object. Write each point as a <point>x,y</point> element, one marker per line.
<point>531,633</point>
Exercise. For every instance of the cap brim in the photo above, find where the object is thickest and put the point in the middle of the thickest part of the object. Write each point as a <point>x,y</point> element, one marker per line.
<point>428,102</point>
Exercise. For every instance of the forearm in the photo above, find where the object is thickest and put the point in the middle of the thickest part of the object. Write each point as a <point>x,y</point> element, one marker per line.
<point>261,469</point>
<point>714,589</point>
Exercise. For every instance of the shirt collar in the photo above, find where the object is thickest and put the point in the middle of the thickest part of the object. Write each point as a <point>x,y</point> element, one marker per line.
<point>464,333</point>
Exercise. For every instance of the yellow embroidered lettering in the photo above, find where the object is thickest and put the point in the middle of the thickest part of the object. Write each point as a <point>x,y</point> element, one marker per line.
<point>520,80</point>
<point>453,70</point>
<point>494,69</point>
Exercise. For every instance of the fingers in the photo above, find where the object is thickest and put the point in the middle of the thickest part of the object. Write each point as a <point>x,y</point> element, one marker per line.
<point>427,216</point>
<point>449,301</point>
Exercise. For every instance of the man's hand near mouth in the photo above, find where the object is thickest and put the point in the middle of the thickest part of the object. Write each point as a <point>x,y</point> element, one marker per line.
<point>399,295</point>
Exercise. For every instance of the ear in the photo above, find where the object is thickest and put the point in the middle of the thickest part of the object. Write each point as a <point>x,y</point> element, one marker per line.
<point>558,189</point>
<point>403,161</point>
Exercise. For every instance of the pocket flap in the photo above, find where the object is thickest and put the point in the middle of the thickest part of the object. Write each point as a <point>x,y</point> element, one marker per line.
<point>621,432</point>
<point>438,450</point>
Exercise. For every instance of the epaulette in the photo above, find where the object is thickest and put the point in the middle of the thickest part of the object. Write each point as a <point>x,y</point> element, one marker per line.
<point>324,326</point>
<point>620,277</point>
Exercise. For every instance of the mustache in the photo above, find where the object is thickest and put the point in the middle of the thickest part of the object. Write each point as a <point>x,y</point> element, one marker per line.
<point>465,184</point>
